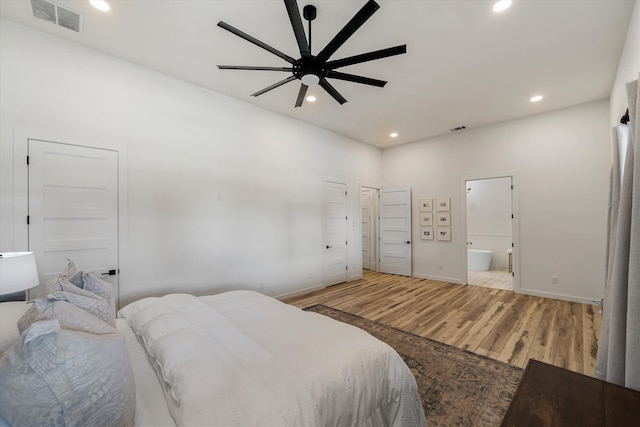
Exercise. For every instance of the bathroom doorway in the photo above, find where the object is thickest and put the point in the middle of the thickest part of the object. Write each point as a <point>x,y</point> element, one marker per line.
<point>369,197</point>
<point>489,232</point>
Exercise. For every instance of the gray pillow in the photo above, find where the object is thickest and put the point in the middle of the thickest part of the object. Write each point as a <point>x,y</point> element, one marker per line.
<point>69,274</point>
<point>69,316</point>
<point>82,283</point>
<point>87,301</point>
<point>92,283</point>
<point>59,377</point>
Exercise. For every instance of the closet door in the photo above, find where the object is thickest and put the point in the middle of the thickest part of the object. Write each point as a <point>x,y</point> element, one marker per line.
<point>73,209</point>
<point>335,233</point>
<point>395,231</point>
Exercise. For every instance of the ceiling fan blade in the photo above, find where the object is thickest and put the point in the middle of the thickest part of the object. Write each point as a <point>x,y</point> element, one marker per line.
<point>356,79</point>
<point>298,29</point>
<point>255,41</point>
<point>369,56</point>
<point>301,94</point>
<point>352,26</point>
<point>332,91</point>
<point>273,86</point>
<point>250,67</point>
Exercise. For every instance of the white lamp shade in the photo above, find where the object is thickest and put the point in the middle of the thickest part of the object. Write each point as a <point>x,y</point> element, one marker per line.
<point>17,272</point>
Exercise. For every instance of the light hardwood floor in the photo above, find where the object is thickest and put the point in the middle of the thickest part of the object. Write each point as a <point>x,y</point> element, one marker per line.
<point>499,324</point>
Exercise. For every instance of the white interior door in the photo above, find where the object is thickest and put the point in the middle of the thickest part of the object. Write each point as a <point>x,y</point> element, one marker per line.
<point>73,209</point>
<point>395,230</point>
<point>335,233</point>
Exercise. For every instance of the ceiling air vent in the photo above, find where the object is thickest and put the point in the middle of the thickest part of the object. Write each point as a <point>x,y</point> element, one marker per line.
<point>62,16</point>
<point>458,128</point>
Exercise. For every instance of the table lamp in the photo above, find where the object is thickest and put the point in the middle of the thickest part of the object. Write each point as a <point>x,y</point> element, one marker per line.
<point>18,272</point>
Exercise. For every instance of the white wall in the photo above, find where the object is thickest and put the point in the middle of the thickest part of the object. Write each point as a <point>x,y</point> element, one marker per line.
<point>561,163</point>
<point>222,194</point>
<point>489,221</point>
<point>628,67</point>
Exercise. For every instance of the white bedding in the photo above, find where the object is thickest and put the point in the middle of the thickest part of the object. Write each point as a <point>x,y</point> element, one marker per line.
<point>151,408</point>
<point>244,359</point>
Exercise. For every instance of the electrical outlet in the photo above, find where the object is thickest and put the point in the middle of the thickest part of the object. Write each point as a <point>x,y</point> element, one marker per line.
<point>554,280</point>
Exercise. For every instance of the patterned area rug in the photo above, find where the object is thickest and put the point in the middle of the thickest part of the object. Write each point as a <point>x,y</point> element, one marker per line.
<point>457,388</point>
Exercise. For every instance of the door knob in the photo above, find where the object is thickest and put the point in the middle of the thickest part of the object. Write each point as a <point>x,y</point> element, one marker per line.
<point>329,247</point>
<point>109,273</point>
<point>408,242</point>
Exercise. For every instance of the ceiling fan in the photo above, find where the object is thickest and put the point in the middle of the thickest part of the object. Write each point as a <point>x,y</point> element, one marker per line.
<point>316,69</point>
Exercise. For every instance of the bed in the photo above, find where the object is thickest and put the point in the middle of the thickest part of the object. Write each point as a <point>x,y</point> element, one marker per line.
<point>238,358</point>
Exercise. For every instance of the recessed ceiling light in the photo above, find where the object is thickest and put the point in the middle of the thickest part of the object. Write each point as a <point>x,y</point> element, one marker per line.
<point>311,98</point>
<point>393,134</point>
<point>536,98</point>
<point>100,5</point>
<point>501,5</point>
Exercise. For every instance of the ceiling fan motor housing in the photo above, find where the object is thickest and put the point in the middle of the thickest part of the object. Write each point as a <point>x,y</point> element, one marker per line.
<point>309,66</point>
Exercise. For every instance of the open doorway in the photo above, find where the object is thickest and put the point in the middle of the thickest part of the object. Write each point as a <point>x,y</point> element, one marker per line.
<point>369,197</point>
<point>490,238</point>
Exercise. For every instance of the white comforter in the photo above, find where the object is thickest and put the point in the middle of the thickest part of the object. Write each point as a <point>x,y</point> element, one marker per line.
<point>243,359</point>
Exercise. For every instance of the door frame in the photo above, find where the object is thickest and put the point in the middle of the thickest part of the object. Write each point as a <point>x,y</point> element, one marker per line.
<point>376,225</point>
<point>515,223</point>
<point>15,228</point>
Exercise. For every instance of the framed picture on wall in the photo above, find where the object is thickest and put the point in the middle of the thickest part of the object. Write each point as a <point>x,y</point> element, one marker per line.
<point>443,218</point>
<point>426,205</point>
<point>443,233</point>
<point>426,218</point>
<point>426,233</point>
<point>443,204</point>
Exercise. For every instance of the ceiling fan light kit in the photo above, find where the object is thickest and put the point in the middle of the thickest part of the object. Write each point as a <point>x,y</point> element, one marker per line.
<point>310,69</point>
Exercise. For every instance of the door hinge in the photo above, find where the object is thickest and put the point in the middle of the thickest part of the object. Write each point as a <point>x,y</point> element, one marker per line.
<point>512,186</point>
<point>346,243</point>
<point>346,267</point>
<point>27,219</point>
<point>512,245</point>
<point>511,216</point>
<point>27,160</point>
<point>513,274</point>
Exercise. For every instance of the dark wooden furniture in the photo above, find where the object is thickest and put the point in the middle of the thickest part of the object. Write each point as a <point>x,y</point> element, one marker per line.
<point>552,396</point>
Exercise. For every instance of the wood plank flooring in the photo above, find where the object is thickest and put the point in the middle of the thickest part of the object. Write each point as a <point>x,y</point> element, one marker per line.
<point>499,324</point>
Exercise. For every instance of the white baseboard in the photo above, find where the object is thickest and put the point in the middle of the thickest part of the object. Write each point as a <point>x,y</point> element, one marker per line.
<point>300,292</point>
<point>355,277</point>
<point>561,297</point>
<point>440,278</point>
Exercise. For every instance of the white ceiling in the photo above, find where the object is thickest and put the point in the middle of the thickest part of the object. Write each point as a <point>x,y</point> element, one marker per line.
<point>465,64</point>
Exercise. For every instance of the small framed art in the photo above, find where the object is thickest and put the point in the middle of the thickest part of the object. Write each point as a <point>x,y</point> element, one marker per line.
<point>443,218</point>
<point>426,233</point>
<point>426,205</point>
<point>444,233</point>
<point>426,218</point>
<point>443,204</point>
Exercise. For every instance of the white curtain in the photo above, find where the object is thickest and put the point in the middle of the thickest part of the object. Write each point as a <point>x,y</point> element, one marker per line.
<point>618,359</point>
